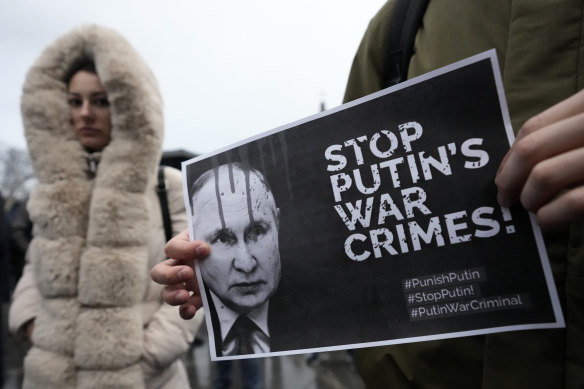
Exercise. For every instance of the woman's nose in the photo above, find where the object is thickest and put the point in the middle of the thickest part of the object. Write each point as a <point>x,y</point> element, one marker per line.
<point>86,111</point>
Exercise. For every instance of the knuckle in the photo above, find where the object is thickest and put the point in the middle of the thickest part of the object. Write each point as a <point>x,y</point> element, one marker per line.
<point>542,176</point>
<point>526,149</point>
<point>574,201</point>
<point>566,208</point>
<point>530,126</point>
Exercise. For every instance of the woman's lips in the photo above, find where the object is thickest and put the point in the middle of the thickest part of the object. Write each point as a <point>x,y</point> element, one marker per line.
<point>89,131</point>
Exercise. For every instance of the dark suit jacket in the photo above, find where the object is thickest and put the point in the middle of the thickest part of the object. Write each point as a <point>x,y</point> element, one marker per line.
<point>279,339</point>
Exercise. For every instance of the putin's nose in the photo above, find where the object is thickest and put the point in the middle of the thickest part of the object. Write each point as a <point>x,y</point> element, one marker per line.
<point>244,261</point>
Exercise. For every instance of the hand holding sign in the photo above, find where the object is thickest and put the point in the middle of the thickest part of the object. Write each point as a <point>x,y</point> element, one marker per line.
<point>178,275</point>
<point>543,169</point>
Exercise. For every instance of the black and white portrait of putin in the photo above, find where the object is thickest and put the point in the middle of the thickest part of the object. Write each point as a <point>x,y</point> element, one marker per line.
<point>234,211</point>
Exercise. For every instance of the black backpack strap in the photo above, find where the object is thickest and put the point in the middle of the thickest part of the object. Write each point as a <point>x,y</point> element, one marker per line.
<point>161,189</point>
<point>405,20</point>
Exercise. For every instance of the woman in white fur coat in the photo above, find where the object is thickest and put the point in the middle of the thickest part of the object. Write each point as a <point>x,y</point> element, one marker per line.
<point>95,138</point>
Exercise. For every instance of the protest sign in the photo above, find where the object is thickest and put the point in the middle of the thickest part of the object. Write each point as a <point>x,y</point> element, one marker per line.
<point>373,223</point>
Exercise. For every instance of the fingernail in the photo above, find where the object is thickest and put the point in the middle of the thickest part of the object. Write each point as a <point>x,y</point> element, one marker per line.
<point>202,250</point>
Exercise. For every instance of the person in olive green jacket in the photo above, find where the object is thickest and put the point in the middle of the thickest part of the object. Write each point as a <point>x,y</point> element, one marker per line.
<point>540,48</point>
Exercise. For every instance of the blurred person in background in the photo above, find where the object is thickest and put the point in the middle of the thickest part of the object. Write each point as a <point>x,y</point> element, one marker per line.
<point>92,114</point>
<point>20,228</point>
<point>4,277</point>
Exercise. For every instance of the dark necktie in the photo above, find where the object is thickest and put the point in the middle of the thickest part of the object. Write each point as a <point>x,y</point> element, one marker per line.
<point>242,330</point>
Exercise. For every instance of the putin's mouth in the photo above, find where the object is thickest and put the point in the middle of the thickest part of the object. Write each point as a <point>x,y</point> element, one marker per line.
<point>247,286</point>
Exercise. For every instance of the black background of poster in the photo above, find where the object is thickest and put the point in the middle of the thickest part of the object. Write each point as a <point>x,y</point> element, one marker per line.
<point>326,299</point>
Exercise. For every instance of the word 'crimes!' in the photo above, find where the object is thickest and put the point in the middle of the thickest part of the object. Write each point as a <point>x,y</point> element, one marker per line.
<point>395,164</point>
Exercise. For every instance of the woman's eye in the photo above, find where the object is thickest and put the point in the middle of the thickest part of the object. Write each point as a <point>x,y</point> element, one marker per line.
<point>74,102</point>
<point>102,102</point>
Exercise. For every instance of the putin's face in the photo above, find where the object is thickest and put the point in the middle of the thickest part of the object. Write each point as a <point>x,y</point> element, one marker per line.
<point>236,214</point>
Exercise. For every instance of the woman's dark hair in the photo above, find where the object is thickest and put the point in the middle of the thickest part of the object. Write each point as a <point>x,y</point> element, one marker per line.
<point>85,64</point>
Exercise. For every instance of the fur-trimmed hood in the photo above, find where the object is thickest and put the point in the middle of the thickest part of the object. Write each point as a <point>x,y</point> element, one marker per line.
<point>89,252</point>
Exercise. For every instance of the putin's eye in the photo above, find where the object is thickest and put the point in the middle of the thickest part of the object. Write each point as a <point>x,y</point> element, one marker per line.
<point>223,237</point>
<point>255,231</point>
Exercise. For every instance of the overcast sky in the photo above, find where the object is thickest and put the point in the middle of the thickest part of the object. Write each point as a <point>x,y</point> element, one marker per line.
<point>228,70</point>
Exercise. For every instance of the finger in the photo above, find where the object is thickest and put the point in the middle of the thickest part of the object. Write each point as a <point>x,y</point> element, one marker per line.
<point>569,107</point>
<point>529,127</point>
<point>171,271</point>
<point>187,311</point>
<point>196,300</point>
<point>566,208</point>
<point>550,177</point>
<point>175,294</point>
<point>563,110</point>
<point>534,148</point>
<point>190,282</point>
<point>181,248</point>
<point>572,106</point>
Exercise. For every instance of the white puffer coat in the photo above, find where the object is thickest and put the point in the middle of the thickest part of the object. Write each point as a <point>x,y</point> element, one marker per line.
<point>99,319</point>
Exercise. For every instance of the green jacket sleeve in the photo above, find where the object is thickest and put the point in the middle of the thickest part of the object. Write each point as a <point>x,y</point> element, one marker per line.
<point>367,68</point>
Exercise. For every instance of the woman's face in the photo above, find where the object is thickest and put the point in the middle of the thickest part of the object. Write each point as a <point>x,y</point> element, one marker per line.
<point>90,111</point>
